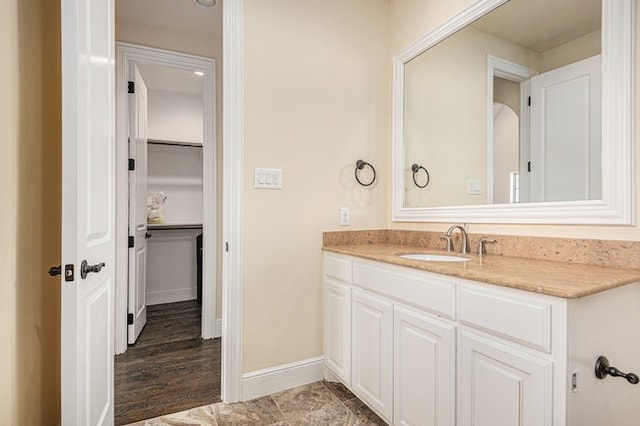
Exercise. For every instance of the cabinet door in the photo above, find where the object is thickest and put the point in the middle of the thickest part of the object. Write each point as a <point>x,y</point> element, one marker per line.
<point>337,329</point>
<point>501,385</point>
<point>424,369</point>
<point>372,351</point>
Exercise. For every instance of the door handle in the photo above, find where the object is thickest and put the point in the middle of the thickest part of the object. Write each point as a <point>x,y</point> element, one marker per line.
<point>147,235</point>
<point>85,268</point>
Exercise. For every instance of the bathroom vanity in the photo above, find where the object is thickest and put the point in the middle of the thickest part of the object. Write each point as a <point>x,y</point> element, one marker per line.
<point>422,344</point>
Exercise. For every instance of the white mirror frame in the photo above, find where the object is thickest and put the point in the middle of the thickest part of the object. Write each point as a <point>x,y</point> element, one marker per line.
<point>617,206</point>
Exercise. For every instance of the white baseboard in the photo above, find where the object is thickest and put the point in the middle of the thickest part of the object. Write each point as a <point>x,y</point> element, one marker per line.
<point>170,296</point>
<point>276,379</point>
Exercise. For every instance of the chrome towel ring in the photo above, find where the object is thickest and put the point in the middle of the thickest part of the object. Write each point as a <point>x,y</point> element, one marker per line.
<point>361,164</point>
<point>415,168</point>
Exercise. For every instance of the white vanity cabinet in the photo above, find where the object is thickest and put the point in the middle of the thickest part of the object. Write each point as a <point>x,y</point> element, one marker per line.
<point>505,361</point>
<point>500,385</point>
<point>402,357</point>
<point>428,349</point>
<point>337,318</point>
<point>423,369</point>
<point>372,351</point>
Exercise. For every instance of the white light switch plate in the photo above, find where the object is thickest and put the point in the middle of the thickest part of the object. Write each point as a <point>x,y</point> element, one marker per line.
<point>473,186</point>
<point>267,178</point>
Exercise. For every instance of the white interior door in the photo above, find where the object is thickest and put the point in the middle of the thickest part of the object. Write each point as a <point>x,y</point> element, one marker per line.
<point>137,309</point>
<point>566,133</point>
<point>88,197</point>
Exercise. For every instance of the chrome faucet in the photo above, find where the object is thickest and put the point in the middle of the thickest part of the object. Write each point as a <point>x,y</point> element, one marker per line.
<point>463,235</point>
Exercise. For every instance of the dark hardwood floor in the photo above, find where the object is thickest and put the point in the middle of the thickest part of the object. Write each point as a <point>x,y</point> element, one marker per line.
<point>170,368</point>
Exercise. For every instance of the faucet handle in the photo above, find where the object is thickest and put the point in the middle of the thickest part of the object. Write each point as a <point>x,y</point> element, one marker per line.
<point>449,243</point>
<point>482,242</point>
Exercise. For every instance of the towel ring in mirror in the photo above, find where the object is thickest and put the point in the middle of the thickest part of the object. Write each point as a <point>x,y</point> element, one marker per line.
<point>415,168</point>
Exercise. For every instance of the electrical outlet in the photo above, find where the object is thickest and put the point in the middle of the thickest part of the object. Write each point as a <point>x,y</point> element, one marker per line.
<point>345,216</point>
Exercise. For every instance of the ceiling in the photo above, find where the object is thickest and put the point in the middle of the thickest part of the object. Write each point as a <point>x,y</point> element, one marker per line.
<point>176,15</point>
<point>170,79</point>
<point>542,24</point>
<point>182,16</point>
<point>536,24</point>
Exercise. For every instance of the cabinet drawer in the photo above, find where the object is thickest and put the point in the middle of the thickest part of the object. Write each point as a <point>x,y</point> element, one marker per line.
<point>419,289</point>
<point>337,267</point>
<point>520,319</point>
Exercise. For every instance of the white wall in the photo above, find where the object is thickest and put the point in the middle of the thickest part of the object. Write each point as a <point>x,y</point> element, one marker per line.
<point>177,172</point>
<point>171,266</point>
<point>175,116</point>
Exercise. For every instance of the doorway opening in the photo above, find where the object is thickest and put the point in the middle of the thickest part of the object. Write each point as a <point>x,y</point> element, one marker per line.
<point>166,202</point>
<point>508,91</point>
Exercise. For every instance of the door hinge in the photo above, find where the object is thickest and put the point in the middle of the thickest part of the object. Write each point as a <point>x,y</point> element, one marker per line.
<point>529,101</point>
<point>226,246</point>
<point>132,242</point>
<point>69,274</point>
<point>132,87</point>
<point>132,164</point>
<point>129,319</point>
<point>529,166</point>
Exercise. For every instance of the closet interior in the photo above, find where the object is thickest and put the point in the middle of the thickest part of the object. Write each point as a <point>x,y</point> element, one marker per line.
<point>175,174</point>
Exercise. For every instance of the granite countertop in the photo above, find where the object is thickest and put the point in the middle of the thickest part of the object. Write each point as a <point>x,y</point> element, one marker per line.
<point>563,279</point>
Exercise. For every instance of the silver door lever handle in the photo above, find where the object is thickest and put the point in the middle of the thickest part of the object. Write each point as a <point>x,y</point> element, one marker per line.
<point>85,268</point>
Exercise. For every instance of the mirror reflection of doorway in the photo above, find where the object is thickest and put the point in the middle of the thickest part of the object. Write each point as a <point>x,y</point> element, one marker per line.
<point>506,154</point>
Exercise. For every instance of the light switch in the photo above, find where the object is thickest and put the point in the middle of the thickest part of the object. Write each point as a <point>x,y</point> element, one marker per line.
<point>473,186</point>
<point>267,178</point>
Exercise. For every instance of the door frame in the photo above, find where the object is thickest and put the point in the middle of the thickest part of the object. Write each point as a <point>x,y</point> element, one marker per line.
<point>232,199</point>
<point>499,67</point>
<point>126,53</point>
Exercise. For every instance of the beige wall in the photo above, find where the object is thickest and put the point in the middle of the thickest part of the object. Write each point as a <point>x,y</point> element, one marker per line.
<point>30,218</point>
<point>408,22</point>
<point>581,48</point>
<point>8,214</point>
<point>196,45</point>
<point>317,85</point>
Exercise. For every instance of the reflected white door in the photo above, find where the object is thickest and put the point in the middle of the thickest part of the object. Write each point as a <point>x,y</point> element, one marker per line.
<point>566,133</point>
<point>88,221</point>
<point>137,316</point>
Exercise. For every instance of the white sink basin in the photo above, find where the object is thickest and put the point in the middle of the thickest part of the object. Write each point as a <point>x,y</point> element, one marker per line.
<point>433,257</point>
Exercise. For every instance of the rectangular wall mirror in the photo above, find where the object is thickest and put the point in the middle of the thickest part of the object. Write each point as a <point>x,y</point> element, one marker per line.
<point>517,112</point>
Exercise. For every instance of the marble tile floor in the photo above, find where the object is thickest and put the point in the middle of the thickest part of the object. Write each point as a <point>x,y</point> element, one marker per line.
<point>320,403</point>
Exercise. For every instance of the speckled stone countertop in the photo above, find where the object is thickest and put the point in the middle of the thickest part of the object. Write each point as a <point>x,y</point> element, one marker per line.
<point>557,278</point>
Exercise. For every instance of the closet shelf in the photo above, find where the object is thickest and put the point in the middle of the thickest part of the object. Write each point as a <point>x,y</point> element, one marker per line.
<point>174,143</point>
<point>174,181</point>
<point>172,226</point>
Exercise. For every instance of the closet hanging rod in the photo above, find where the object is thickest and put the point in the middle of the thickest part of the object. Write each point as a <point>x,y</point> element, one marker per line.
<point>174,143</point>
